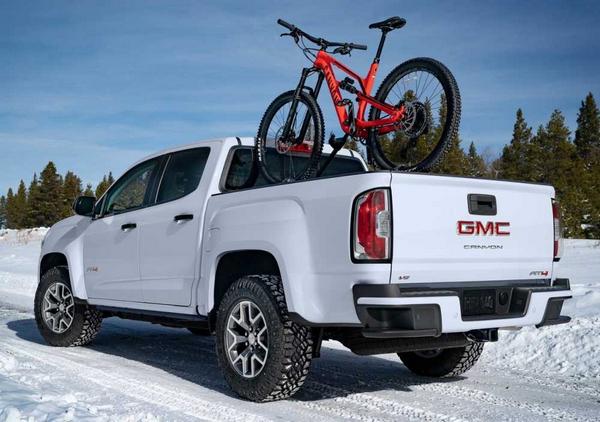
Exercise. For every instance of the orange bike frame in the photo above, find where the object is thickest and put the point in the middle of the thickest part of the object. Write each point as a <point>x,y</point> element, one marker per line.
<point>325,63</point>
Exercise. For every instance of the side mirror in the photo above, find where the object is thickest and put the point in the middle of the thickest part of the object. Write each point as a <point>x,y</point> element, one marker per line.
<point>84,205</point>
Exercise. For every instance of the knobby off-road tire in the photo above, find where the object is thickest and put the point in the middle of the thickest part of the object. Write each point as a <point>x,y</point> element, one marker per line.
<point>86,321</point>
<point>274,118</point>
<point>290,345</point>
<point>453,111</point>
<point>445,363</point>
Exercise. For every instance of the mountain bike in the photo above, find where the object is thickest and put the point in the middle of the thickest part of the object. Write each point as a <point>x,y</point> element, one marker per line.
<point>412,118</point>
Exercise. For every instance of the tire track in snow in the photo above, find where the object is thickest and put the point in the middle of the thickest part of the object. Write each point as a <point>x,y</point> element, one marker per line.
<point>60,358</point>
<point>542,380</point>
<point>120,384</point>
<point>368,402</point>
<point>179,401</point>
<point>393,408</point>
<point>306,408</point>
<point>379,404</point>
<point>460,392</point>
<point>385,407</point>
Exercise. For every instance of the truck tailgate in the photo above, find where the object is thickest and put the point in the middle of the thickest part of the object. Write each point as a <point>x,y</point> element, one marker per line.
<point>438,238</point>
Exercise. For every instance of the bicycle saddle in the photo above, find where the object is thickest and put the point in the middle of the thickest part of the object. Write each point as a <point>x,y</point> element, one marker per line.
<point>395,22</point>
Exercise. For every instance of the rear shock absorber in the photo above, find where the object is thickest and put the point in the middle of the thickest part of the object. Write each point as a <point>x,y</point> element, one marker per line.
<point>347,84</point>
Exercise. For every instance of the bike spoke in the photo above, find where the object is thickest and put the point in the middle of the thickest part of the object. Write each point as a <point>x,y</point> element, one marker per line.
<point>415,136</point>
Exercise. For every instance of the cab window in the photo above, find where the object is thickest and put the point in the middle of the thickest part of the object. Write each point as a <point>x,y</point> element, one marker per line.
<point>241,166</point>
<point>130,191</point>
<point>182,174</point>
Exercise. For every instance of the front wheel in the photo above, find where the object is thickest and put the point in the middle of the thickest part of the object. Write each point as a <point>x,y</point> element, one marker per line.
<point>61,320</point>
<point>295,155</point>
<point>430,96</point>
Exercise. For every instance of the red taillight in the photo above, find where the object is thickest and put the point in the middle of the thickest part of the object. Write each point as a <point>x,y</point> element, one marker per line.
<point>372,231</point>
<point>557,230</point>
<point>304,147</point>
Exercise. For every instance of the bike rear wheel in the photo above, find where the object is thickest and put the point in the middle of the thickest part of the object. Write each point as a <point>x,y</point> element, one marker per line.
<point>431,97</point>
<point>297,157</point>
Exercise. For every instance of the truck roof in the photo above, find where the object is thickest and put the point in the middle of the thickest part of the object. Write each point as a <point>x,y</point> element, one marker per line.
<point>232,141</point>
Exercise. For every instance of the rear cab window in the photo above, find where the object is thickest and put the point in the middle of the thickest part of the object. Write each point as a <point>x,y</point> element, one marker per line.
<point>182,174</point>
<point>241,166</point>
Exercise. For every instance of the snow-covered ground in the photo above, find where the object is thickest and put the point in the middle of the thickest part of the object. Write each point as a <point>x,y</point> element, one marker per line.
<point>141,372</point>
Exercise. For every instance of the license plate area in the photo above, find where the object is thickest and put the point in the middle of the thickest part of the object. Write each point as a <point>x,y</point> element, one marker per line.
<point>479,302</point>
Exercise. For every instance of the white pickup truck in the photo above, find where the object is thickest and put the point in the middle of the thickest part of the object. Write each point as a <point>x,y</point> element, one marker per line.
<point>426,266</point>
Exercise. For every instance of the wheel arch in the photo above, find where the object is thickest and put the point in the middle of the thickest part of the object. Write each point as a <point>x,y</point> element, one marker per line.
<point>51,260</point>
<point>69,258</point>
<point>233,265</point>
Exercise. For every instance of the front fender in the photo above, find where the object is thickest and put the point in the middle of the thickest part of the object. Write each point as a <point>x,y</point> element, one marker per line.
<point>65,238</point>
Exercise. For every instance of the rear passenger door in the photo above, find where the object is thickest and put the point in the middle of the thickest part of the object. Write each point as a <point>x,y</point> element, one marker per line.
<point>169,237</point>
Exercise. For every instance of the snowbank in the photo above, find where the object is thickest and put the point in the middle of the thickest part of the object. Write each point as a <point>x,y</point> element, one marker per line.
<point>19,252</point>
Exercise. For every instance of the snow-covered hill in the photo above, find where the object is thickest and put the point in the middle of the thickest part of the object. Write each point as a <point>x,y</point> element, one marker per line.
<point>137,371</point>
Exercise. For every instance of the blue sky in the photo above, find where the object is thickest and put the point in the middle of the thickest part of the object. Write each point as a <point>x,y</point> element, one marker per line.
<point>96,85</point>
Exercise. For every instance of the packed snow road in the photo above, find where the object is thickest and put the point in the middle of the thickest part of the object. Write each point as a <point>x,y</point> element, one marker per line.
<point>141,372</point>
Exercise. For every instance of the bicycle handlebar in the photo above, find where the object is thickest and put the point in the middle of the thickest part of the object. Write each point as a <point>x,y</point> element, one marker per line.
<point>286,24</point>
<point>320,41</point>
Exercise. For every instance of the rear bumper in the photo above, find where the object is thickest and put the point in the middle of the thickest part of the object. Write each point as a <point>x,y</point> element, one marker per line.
<point>395,310</point>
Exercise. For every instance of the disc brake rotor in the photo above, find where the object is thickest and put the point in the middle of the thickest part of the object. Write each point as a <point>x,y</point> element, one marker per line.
<point>416,119</point>
<point>283,145</point>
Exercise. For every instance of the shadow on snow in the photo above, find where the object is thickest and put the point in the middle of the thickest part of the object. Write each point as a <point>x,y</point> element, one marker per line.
<point>337,373</point>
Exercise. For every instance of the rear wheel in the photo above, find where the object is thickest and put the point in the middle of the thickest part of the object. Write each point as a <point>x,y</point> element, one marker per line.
<point>431,99</point>
<point>295,156</point>
<point>442,362</point>
<point>264,356</point>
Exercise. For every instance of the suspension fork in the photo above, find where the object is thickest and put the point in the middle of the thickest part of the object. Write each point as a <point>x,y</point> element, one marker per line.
<point>289,123</point>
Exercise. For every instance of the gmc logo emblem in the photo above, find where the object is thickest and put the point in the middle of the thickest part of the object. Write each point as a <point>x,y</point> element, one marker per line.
<point>478,228</point>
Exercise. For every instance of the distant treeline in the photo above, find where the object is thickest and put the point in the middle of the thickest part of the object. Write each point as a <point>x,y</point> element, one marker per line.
<point>48,199</point>
<point>551,154</point>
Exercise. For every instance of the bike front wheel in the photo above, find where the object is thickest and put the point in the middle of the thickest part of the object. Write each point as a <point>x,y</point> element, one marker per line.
<point>295,156</point>
<point>431,99</point>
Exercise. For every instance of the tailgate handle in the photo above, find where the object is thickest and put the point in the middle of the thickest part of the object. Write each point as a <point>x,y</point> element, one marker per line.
<point>480,204</point>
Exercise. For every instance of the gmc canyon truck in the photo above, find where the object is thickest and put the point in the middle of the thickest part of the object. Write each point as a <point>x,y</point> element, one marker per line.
<point>429,267</point>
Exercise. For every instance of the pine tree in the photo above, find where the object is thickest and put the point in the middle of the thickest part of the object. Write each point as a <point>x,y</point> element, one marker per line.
<point>9,209</point>
<point>33,204</point>
<point>2,212</point>
<point>587,141</point>
<point>554,160</point>
<point>71,190</point>
<point>50,196</point>
<point>587,135</point>
<point>88,190</point>
<point>20,206</point>
<point>104,184</point>
<point>514,163</point>
<point>475,164</point>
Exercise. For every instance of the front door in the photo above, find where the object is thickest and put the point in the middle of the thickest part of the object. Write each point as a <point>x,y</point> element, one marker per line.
<point>111,241</point>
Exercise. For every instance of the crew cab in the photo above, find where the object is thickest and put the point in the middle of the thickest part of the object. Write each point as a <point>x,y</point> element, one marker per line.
<point>426,266</point>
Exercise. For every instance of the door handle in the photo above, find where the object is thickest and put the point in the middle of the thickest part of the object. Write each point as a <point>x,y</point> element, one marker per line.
<point>183,217</point>
<point>128,226</point>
